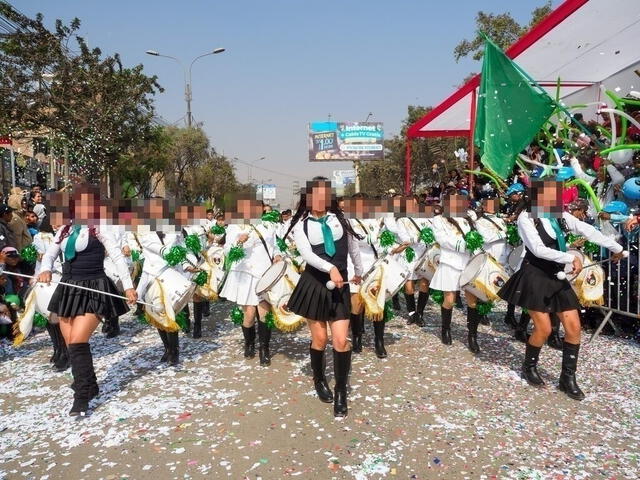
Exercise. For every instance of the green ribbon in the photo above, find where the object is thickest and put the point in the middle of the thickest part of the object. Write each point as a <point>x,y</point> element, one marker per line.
<point>327,235</point>
<point>562,243</point>
<point>70,248</point>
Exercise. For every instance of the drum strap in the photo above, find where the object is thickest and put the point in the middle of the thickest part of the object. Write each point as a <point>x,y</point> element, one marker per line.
<point>454,222</point>
<point>484,215</point>
<point>375,252</point>
<point>264,244</point>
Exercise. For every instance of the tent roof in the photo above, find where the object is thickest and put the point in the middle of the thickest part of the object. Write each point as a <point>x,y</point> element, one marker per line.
<point>582,42</point>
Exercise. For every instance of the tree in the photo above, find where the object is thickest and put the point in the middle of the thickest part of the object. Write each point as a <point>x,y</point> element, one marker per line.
<point>89,105</point>
<point>189,151</point>
<point>503,29</point>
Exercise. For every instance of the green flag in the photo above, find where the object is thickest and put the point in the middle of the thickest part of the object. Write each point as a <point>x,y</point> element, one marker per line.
<point>510,111</point>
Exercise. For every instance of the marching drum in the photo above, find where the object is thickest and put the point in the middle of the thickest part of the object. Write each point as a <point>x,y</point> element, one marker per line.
<point>275,287</point>
<point>483,277</point>
<point>388,270</point>
<point>429,264</point>
<point>213,265</point>
<point>589,284</point>
<point>36,301</point>
<point>515,258</point>
<point>169,293</point>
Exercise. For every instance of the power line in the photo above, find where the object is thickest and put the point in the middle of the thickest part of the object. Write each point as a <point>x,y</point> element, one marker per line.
<point>270,171</point>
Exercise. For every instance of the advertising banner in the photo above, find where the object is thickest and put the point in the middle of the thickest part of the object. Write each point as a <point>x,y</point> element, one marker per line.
<point>345,141</point>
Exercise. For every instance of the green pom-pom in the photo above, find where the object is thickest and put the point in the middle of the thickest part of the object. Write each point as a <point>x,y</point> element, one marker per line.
<point>513,237</point>
<point>237,316</point>
<point>236,253</point>
<point>181,320</point>
<point>193,243</point>
<point>591,248</point>
<point>176,255</point>
<point>217,230</point>
<point>571,238</point>
<point>388,314</point>
<point>427,236</point>
<point>272,216</point>
<point>142,319</point>
<point>474,240</point>
<point>270,320</point>
<point>282,245</point>
<point>410,254</point>
<point>387,239</point>
<point>12,300</point>
<point>484,308</point>
<point>201,278</point>
<point>29,254</point>
<point>136,255</point>
<point>40,320</point>
<point>437,296</point>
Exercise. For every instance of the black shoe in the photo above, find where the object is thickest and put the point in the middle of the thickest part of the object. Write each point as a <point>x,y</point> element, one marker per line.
<point>445,335</point>
<point>84,383</point>
<point>206,310</point>
<point>54,341</point>
<point>319,378</point>
<point>173,341</point>
<point>378,342</point>
<point>163,336</point>
<point>197,319</point>
<point>530,366</point>
<point>264,338</point>
<point>341,367</point>
<point>568,383</point>
<point>410,301</point>
<point>395,302</point>
<point>472,326</point>
<point>357,327</point>
<point>249,341</point>
<point>423,298</point>
<point>62,361</point>
<point>416,319</point>
<point>114,327</point>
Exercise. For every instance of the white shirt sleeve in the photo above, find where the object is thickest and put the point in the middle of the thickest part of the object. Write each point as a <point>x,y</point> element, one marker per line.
<point>533,242</point>
<point>115,253</point>
<point>354,253</point>
<point>591,233</point>
<point>304,247</point>
<point>51,254</point>
<point>445,238</point>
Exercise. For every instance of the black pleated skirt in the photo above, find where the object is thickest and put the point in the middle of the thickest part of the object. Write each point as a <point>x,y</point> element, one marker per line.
<point>312,299</point>
<point>534,289</point>
<point>71,302</point>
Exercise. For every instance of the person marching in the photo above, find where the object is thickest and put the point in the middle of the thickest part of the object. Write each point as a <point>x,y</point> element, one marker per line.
<point>537,287</point>
<point>256,240</point>
<point>324,239</point>
<point>80,311</point>
<point>451,230</point>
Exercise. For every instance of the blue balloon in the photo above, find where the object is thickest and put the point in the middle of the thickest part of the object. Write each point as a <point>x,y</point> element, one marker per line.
<point>631,188</point>
<point>616,206</point>
<point>565,173</point>
<point>515,188</point>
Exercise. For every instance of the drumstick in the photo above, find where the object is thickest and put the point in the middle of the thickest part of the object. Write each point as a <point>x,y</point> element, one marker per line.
<point>331,284</point>
<point>563,275</point>
<point>78,287</point>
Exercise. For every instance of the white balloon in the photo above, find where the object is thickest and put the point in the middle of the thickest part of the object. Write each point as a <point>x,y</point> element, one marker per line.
<point>620,157</point>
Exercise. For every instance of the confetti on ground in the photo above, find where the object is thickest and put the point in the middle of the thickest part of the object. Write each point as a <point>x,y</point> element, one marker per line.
<point>428,411</point>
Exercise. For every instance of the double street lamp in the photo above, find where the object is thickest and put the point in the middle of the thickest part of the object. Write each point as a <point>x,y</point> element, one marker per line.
<point>187,75</point>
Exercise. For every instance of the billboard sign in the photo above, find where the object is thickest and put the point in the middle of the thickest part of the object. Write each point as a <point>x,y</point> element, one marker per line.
<point>345,141</point>
<point>266,191</point>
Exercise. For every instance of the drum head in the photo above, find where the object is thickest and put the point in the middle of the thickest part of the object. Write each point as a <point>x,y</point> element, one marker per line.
<point>473,268</point>
<point>568,267</point>
<point>271,277</point>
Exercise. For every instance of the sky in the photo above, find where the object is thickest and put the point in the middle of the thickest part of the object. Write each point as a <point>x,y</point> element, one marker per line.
<point>288,62</point>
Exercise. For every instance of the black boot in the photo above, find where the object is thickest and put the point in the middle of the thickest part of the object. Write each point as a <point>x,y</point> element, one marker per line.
<point>139,310</point>
<point>341,367</point>
<point>472,325</point>
<point>395,302</point>
<point>510,317</point>
<point>197,319</point>
<point>554,341</point>
<point>114,327</point>
<point>520,332</point>
<point>568,382</point>
<point>357,324</point>
<point>378,342</point>
<point>530,366</point>
<point>84,379</point>
<point>187,330</point>
<point>264,338</point>
<point>446,314</point>
<point>418,316</point>
<point>459,303</point>
<point>62,362</point>
<point>173,341</point>
<point>54,340</point>
<point>206,310</point>
<point>319,378</point>
<point>165,342</point>
<point>249,341</point>
<point>410,301</point>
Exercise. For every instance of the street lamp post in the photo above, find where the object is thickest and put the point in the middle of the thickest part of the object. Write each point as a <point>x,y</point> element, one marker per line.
<point>251,168</point>
<point>187,75</point>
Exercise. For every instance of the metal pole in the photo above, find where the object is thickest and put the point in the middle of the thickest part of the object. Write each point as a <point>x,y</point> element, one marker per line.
<point>187,96</point>
<point>357,168</point>
<point>13,167</point>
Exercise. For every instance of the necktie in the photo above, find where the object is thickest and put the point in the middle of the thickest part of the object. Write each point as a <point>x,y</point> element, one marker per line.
<point>327,235</point>
<point>70,248</point>
<point>562,243</point>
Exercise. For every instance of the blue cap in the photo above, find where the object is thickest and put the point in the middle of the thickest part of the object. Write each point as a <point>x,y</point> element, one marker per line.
<point>631,188</point>
<point>565,173</point>
<point>616,206</point>
<point>463,192</point>
<point>515,188</point>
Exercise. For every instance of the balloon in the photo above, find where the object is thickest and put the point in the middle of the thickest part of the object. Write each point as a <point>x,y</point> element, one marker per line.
<point>620,157</point>
<point>631,188</point>
<point>616,206</point>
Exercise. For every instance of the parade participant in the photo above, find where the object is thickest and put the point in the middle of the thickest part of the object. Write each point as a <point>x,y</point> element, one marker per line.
<point>361,216</point>
<point>79,311</point>
<point>325,239</point>
<point>257,241</point>
<point>450,230</point>
<point>395,210</point>
<point>509,212</point>
<point>217,231</point>
<point>536,286</point>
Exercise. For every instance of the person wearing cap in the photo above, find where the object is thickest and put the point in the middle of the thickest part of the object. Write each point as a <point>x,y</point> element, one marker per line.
<point>15,285</point>
<point>7,238</point>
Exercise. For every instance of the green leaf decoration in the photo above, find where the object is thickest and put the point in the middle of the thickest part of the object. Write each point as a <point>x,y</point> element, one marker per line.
<point>572,237</point>
<point>270,320</point>
<point>201,278</point>
<point>437,296</point>
<point>591,248</point>
<point>136,255</point>
<point>217,230</point>
<point>272,216</point>
<point>175,255</point>
<point>387,239</point>
<point>474,240</point>
<point>236,253</point>
<point>513,237</point>
<point>427,236</point>
<point>40,320</point>
<point>484,308</point>
<point>193,243</point>
<point>410,254</point>
<point>29,254</point>
<point>237,315</point>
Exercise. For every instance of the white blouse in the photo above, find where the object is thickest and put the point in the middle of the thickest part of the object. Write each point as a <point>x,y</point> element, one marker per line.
<point>108,241</point>
<point>314,230</point>
<point>533,242</point>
